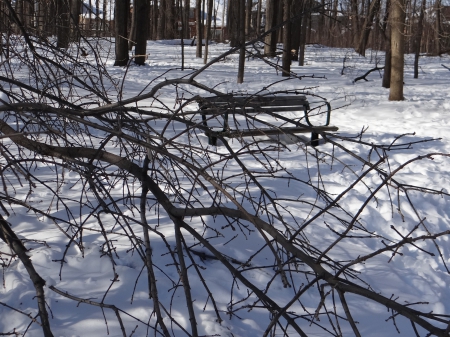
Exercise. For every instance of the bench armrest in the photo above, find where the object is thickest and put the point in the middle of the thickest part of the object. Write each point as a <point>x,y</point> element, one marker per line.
<point>327,122</point>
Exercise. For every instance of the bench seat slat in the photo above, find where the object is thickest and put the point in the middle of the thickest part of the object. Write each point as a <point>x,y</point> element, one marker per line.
<point>255,100</point>
<point>253,104</point>
<point>277,131</point>
<point>249,110</point>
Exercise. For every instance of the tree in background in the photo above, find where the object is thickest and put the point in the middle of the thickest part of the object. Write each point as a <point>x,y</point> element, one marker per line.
<point>270,42</point>
<point>198,27</point>
<point>141,19</point>
<point>63,19</point>
<point>287,37</point>
<point>397,49</point>
<point>121,11</point>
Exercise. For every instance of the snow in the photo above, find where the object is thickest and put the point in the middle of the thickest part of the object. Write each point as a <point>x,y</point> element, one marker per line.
<point>413,276</point>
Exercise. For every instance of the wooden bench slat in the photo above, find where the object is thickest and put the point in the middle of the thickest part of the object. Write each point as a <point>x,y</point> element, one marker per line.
<point>208,105</point>
<point>249,110</point>
<point>277,131</point>
<point>254,99</point>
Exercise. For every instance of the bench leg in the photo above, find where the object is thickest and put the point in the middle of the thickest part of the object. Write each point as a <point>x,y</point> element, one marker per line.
<point>314,139</point>
<point>212,140</point>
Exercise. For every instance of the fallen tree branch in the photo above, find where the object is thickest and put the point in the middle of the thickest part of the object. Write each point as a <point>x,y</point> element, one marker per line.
<point>363,77</point>
<point>14,243</point>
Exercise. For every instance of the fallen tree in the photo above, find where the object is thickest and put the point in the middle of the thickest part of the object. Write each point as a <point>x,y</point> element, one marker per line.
<point>146,188</point>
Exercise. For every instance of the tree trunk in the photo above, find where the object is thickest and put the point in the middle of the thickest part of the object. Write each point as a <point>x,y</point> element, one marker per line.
<point>438,28</point>
<point>258,18</point>
<point>198,19</point>
<point>279,19</point>
<point>155,15</point>
<point>132,33</point>
<point>63,30</point>
<point>75,11</point>
<point>301,55</point>
<point>41,17</point>
<point>234,19</point>
<point>248,17</point>
<point>367,27</point>
<point>286,61</point>
<point>104,9</point>
<point>141,21</point>
<point>186,9</point>
<point>418,39</point>
<point>161,30</point>
<point>397,49</point>
<point>208,30</point>
<point>170,20</point>
<point>121,26</point>
<point>296,28</point>
<point>386,83</point>
<point>355,21</point>
<point>271,39</point>
<point>241,21</point>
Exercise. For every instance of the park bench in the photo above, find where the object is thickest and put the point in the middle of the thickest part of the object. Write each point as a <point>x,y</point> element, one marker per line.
<point>270,115</point>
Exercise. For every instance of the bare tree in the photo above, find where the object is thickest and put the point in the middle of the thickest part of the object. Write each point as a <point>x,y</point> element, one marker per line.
<point>142,169</point>
<point>367,26</point>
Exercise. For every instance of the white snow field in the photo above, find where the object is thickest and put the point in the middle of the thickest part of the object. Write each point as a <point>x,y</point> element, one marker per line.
<point>416,273</point>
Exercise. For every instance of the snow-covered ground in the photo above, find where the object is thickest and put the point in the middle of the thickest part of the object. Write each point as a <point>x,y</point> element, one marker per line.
<point>410,277</point>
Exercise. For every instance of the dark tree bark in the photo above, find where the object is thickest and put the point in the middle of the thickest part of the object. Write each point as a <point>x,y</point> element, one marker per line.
<point>141,20</point>
<point>208,29</point>
<point>170,19</point>
<point>271,39</point>
<point>301,54</point>
<point>186,11</point>
<point>104,9</point>
<point>234,22</point>
<point>241,26</point>
<point>121,25</point>
<point>386,83</point>
<point>418,39</point>
<point>286,61</point>
<point>198,27</point>
<point>258,18</point>
<point>279,19</point>
<point>367,27</point>
<point>41,17</point>
<point>437,28</point>
<point>397,49</point>
<point>248,17</point>
<point>296,26</point>
<point>355,24</point>
<point>75,10</point>
<point>24,10</point>
<point>161,31</point>
<point>63,28</point>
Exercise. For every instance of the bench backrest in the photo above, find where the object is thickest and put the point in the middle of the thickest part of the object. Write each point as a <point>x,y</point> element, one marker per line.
<point>253,104</point>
